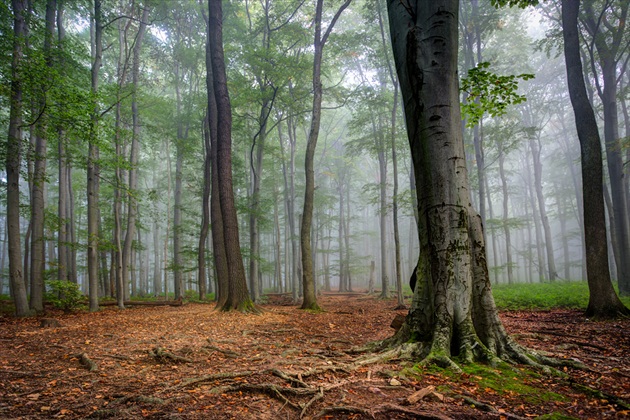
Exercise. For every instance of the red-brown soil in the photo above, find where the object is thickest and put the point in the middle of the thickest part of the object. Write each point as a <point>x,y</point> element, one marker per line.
<point>42,375</point>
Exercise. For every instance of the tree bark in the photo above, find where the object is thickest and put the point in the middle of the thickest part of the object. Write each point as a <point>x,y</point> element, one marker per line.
<point>238,296</point>
<point>603,301</point>
<point>610,49</point>
<point>13,160</point>
<point>93,170</point>
<point>132,204</point>
<point>308,281</point>
<point>506,227</point>
<point>453,311</point>
<point>38,202</point>
<point>542,208</point>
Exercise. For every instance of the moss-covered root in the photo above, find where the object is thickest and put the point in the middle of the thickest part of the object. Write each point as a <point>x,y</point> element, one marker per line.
<point>405,351</point>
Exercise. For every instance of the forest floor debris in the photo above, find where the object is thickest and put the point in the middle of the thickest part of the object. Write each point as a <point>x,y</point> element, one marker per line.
<point>289,363</point>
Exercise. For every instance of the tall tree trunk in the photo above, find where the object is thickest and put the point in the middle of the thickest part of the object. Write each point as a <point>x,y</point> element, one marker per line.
<point>453,311</point>
<point>534,144</point>
<point>63,249</point>
<point>93,170</point>
<point>238,297</point>
<point>13,160</point>
<point>506,227</point>
<point>132,205</point>
<point>308,282</point>
<point>611,47</point>
<point>205,211</point>
<point>603,302</point>
<point>38,202</point>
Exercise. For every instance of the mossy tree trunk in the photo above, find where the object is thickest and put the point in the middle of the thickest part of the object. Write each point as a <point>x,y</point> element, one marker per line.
<point>453,311</point>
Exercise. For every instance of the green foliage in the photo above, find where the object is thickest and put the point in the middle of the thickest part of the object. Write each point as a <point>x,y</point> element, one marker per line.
<point>511,3</point>
<point>489,93</point>
<point>64,295</point>
<point>542,296</point>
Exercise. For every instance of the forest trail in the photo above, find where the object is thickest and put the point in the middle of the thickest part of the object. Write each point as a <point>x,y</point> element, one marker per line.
<point>192,362</point>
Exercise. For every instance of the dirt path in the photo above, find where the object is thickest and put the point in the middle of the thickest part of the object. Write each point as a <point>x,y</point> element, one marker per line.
<point>193,362</point>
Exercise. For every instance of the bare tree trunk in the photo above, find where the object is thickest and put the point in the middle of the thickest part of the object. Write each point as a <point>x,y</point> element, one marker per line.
<point>93,170</point>
<point>551,264</point>
<point>38,202</point>
<point>205,211</point>
<point>603,301</point>
<point>506,227</point>
<point>308,282</point>
<point>609,41</point>
<point>13,160</point>
<point>238,297</point>
<point>132,205</point>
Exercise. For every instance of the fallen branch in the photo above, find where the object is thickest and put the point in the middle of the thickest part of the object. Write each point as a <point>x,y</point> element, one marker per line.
<point>87,362</point>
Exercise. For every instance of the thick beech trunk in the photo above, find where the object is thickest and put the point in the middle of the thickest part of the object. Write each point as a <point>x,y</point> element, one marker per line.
<point>453,311</point>
<point>603,301</point>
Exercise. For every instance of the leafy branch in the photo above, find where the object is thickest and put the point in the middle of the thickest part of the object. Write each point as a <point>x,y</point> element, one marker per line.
<point>489,93</point>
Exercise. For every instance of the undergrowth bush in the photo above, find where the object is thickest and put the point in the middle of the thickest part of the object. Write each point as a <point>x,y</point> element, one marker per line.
<point>64,294</point>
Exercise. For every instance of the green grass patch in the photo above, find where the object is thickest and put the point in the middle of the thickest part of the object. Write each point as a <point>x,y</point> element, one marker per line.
<point>541,296</point>
<point>503,380</point>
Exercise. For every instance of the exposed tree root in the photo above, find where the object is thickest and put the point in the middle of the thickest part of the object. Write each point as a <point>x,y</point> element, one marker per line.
<point>228,353</point>
<point>269,389</point>
<point>161,354</point>
<point>488,408</point>
<point>343,409</point>
<point>140,399</point>
<point>385,408</point>
<point>600,394</point>
<point>308,405</point>
<point>211,378</point>
<point>88,363</point>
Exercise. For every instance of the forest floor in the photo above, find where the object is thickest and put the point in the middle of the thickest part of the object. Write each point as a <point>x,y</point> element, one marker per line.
<point>191,362</point>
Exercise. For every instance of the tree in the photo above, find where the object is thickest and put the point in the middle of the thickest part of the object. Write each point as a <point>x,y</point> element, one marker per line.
<point>608,31</point>
<point>308,280</point>
<point>453,311</point>
<point>13,159</point>
<point>603,301</point>
<point>237,297</point>
<point>38,260</point>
